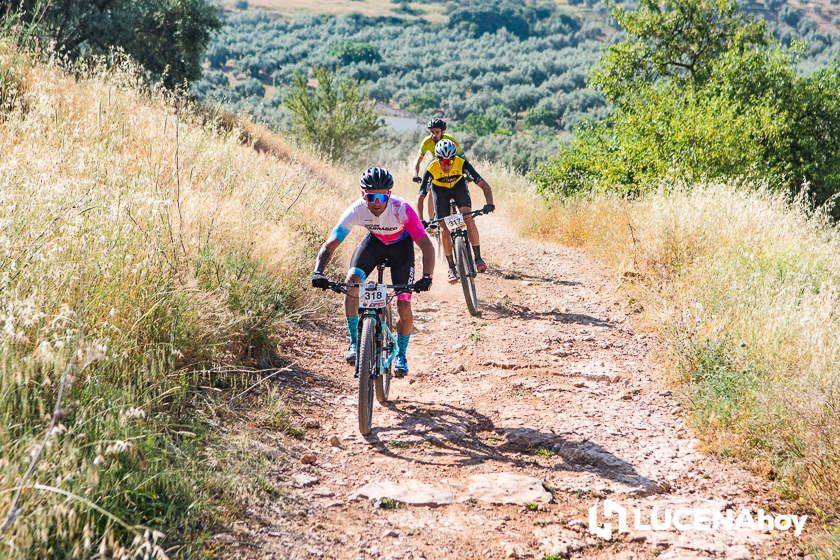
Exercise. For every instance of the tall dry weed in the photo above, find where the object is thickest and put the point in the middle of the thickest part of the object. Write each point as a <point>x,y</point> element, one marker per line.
<point>745,287</point>
<point>131,226</point>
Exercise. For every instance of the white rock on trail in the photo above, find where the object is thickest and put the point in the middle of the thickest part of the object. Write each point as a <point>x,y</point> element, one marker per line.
<point>302,480</point>
<point>507,488</point>
<point>411,492</point>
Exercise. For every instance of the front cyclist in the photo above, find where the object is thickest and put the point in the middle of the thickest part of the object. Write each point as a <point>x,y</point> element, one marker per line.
<point>447,176</point>
<point>392,226</point>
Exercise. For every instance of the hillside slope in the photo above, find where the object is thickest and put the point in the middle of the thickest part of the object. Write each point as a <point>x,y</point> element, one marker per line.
<point>147,258</point>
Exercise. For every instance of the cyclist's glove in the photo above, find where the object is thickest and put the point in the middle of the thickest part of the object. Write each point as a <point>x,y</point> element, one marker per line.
<point>425,224</point>
<point>488,208</point>
<point>417,179</point>
<point>320,281</point>
<point>423,284</point>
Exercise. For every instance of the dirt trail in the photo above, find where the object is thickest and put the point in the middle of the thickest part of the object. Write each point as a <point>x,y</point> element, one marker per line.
<point>551,382</point>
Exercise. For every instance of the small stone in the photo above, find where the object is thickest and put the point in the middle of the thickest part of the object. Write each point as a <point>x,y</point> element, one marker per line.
<point>457,369</point>
<point>309,459</point>
<point>223,538</point>
<point>302,480</point>
<point>311,423</point>
<point>336,442</point>
<point>561,551</point>
<point>390,533</point>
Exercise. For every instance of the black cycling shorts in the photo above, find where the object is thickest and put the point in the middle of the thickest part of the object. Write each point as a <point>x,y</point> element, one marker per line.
<point>460,192</point>
<point>371,252</point>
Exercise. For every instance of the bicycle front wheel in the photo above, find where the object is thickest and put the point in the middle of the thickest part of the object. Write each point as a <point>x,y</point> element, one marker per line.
<point>366,368</point>
<point>383,380</point>
<point>467,282</point>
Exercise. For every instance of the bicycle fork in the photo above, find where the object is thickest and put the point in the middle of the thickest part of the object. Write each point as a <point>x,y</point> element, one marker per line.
<point>382,331</point>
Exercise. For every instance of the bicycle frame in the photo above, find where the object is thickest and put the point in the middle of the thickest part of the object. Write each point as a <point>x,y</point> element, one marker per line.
<point>436,225</point>
<point>381,327</point>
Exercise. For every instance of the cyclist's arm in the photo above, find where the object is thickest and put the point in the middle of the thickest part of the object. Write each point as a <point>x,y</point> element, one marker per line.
<point>417,164</point>
<point>488,192</point>
<point>428,250</point>
<point>484,185</point>
<point>325,253</point>
<point>425,185</point>
<point>418,234</point>
<point>337,235</point>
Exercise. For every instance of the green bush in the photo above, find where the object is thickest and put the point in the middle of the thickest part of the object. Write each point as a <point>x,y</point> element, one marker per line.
<point>420,101</point>
<point>336,117</point>
<point>349,52</point>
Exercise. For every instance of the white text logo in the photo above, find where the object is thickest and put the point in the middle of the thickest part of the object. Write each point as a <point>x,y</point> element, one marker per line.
<point>687,519</point>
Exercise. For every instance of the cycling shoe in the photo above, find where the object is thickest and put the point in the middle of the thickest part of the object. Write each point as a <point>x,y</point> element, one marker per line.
<point>350,355</point>
<point>400,366</point>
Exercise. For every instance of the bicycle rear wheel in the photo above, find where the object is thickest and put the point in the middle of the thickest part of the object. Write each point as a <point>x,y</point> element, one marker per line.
<point>365,368</point>
<point>465,273</point>
<point>383,380</point>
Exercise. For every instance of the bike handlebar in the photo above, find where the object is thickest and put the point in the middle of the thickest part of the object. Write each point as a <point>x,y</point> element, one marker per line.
<point>341,287</point>
<point>435,224</point>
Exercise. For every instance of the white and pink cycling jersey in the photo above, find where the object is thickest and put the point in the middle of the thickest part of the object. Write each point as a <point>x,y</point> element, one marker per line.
<point>398,221</point>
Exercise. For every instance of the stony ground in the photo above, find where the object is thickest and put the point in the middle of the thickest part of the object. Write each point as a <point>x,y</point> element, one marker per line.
<point>508,429</point>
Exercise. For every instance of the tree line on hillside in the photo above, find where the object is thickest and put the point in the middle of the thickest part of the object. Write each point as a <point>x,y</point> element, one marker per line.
<point>529,78</point>
<point>495,69</point>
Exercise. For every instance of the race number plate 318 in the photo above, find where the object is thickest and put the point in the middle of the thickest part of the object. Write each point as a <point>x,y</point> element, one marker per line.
<point>373,296</point>
<point>454,222</point>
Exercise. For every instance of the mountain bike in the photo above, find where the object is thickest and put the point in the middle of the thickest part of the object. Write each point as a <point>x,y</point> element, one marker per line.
<point>377,342</point>
<point>464,261</point>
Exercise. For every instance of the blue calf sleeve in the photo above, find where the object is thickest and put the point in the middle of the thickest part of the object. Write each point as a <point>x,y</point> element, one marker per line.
<point>353,327</point>
<point>402,343</point>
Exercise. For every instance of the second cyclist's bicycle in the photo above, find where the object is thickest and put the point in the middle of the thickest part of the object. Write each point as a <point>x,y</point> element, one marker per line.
<point>464,261</point>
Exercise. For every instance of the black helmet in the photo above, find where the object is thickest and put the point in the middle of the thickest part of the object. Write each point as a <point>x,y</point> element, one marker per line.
<point>376,178</point>
<point>437,123</point>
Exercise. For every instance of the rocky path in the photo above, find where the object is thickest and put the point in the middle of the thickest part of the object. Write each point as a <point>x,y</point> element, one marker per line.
<point>508,429</point>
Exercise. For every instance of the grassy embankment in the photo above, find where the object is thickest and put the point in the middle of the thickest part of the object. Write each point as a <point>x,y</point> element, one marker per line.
<point>744,288</point>
<point>146,259</point>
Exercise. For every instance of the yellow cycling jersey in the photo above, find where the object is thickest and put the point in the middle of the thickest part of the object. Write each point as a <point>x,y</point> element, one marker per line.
<point>428,145</point>
<point>446,180</point>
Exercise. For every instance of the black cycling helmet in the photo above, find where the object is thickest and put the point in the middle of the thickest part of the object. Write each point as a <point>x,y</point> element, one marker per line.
<point>437,123</point>
<point>376,178</point>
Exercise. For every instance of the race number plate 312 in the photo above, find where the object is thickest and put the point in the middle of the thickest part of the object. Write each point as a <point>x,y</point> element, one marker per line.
<point>454,222</point>
<point>373,296</point>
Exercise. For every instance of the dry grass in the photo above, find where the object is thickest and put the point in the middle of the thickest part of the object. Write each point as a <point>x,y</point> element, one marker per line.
<point>744,287</point>
<point>141,248</point>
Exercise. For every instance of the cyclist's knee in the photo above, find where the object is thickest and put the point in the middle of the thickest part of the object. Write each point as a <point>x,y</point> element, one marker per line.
<point>353,291</point>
